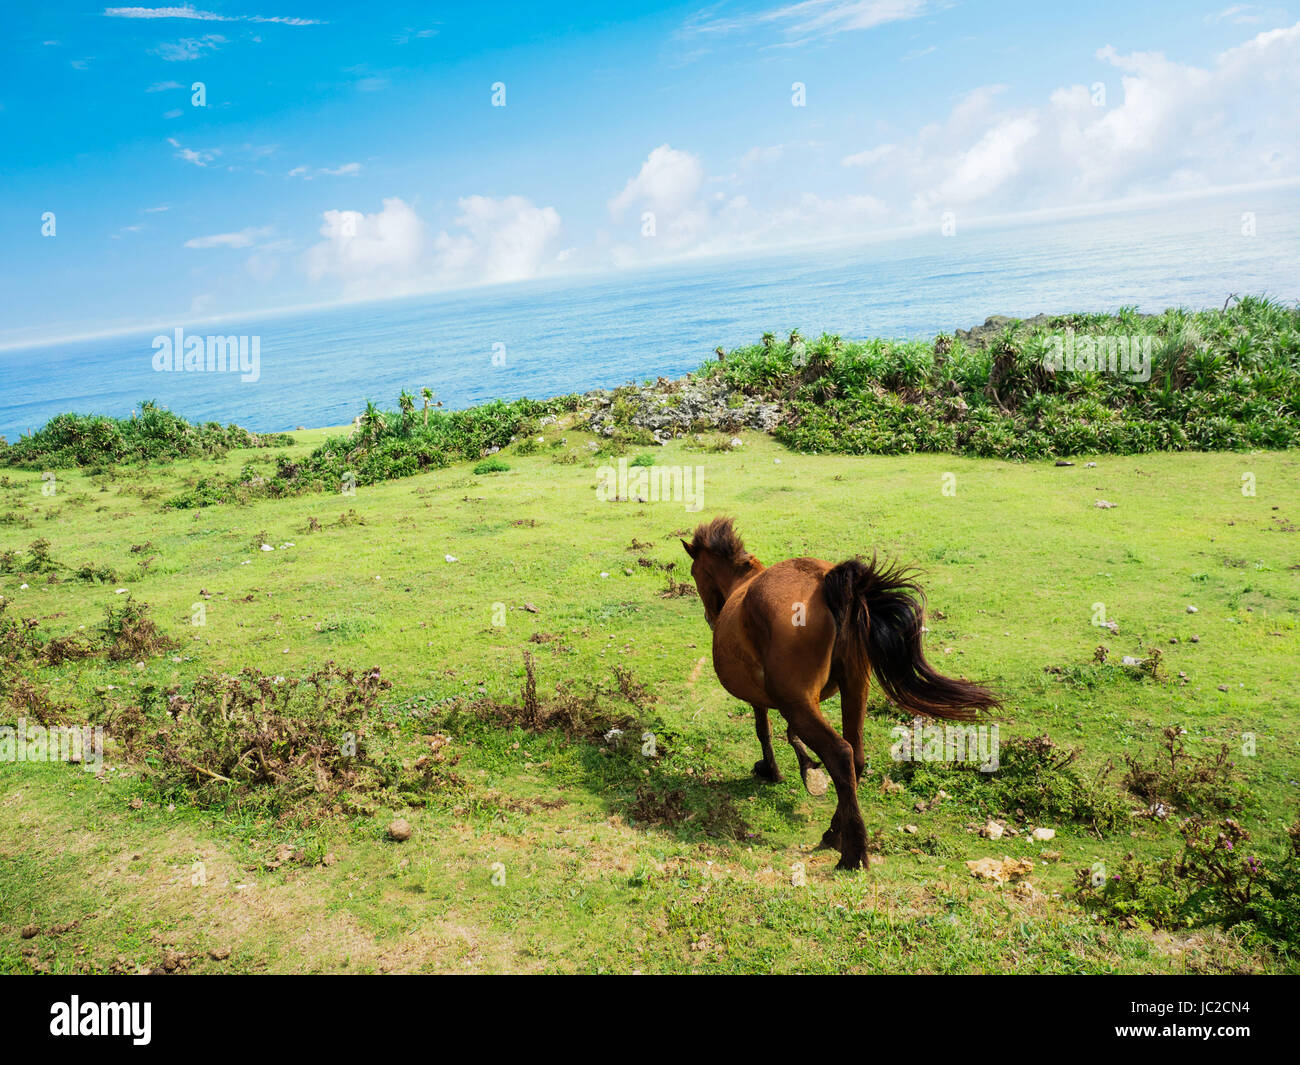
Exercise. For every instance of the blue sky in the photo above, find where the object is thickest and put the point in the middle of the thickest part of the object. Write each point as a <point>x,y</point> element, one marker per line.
<point>350,152</point>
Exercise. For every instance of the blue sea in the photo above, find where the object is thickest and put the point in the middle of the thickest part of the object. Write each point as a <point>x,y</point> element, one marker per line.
<point>564,335</point>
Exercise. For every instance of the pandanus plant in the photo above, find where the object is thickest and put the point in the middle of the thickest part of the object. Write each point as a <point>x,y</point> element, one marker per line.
<point>406,404</point>
<point>372,424</point>
<point>427,395</point>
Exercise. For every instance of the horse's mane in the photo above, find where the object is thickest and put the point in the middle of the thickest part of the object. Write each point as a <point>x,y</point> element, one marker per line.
<point>720,539</point>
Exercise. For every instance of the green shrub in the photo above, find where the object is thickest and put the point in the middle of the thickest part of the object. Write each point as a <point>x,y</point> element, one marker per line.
<point>151,435</point>
<point>1036,779</point>
<point>1219,380</point>
<point>1174,779</point>
<point>1220,877</point>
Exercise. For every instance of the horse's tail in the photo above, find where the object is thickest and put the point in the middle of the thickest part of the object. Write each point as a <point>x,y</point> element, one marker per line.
<point>878,611</point>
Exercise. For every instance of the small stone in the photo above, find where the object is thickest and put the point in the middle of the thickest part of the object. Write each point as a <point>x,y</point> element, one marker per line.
<point>399,830</point>
<point>992,830</point>
<point>1191,610</point>
<point>219,953</point>
<point>30,931</point>
<point>911,830</point>
<point>1000,871</point>
<point>1042,835</point>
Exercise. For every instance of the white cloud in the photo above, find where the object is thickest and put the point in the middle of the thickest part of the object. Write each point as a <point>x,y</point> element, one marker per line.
<point>408,35</point>
<point>264,263</point>
<point>492,240</point>
<point>164,86</point>
<point>190,13</point>
<point>199,156</point>
<point>668,183</point>
<point>244,238</point>
<point>365,247</point>
<point>1246,14</point>
<point>867,158</point>
<point>307,173</point>
<point>808,19</point>
<point>985,167</point>
<point>689,220</point>
<point>1164,128</point>
<point>188,48</point>
<point>762,156</point>
<point>502,240</point>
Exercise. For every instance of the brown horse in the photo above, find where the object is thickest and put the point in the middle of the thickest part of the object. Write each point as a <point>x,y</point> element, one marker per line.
<point>790,636</point>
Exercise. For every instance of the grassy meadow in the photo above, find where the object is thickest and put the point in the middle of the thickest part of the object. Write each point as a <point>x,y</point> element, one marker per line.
<point>543,850</point>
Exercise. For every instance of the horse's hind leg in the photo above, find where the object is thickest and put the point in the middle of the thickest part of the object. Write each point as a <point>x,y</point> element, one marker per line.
<point>806,760</point>
<point>847,830</point>
<point>766,768</point>
<point>853,703</point>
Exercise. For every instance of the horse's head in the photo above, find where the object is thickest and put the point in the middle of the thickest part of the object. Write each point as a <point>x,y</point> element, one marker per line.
<point>719,562</point>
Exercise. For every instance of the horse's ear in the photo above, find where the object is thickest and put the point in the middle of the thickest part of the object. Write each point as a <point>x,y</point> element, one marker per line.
<point>689,550</point>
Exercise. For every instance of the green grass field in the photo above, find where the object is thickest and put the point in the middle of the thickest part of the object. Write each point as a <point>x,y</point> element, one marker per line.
<point>1016,558</point>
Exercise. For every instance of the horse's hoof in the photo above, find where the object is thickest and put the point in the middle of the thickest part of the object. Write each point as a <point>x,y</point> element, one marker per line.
<point>766,772</point>
<point>853,862</point>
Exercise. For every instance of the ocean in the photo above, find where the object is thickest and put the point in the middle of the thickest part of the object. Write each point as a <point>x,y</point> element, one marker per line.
<point>544,338</point>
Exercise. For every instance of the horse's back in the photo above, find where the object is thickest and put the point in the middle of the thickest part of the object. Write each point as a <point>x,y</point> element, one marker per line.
<point>796,580</point>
